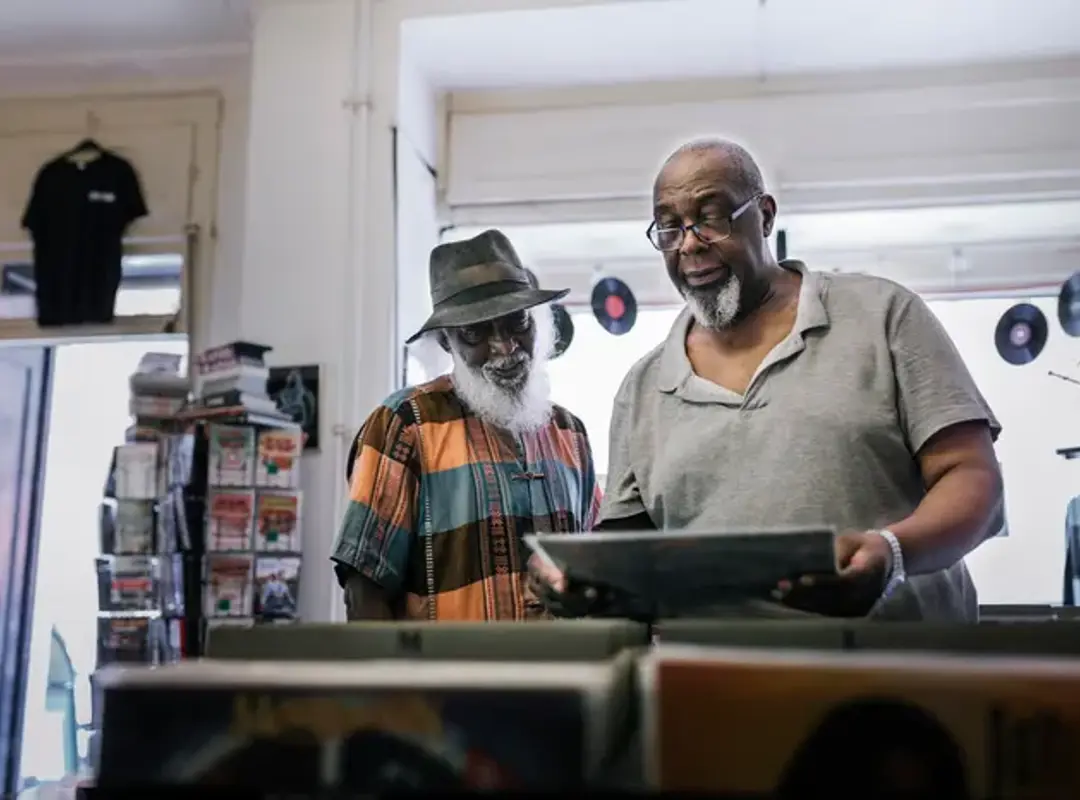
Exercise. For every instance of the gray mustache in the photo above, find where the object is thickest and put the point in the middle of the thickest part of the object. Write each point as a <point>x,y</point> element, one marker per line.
<point>506,363</point>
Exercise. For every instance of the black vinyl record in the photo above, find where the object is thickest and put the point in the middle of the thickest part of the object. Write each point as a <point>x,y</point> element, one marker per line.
<point>1069,305</point>
<point>614,306</point>
<point>564,329</point>
<point>1021,334</point>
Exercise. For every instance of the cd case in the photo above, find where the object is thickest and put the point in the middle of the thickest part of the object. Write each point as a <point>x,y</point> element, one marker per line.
<point>680,572</point>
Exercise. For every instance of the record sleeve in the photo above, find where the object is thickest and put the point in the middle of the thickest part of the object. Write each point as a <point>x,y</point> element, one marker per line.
<point>277,587</point>
<point>231,459</point>
<point>679,572</point>
<point>134,531</point>
<point>127,640</point>
<point>278,465</point>
<point>373,726</point>
<point>136,471</point>
<point>128,583</point>
<point>172,584</point>
<point>230,518</point>
<point>858,725</point>
<point>277,521</point>
<point>228,586</point>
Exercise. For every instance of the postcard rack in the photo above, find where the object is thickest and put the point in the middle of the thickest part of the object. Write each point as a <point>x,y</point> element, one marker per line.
<point>200,527</point>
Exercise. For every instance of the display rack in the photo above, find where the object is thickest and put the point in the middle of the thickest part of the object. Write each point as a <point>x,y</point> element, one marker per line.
<point>201,522</point>
<point>243,513</point>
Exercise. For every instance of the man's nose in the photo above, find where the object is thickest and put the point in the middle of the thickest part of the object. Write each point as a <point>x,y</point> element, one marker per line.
<point>502,345</point>
<point>691,243</point>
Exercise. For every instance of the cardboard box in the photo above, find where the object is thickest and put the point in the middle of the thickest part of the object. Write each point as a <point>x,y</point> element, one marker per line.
<point>851,724</point>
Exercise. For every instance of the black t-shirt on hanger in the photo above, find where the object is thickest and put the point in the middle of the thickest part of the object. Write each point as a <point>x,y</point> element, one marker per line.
<point>77,215</point>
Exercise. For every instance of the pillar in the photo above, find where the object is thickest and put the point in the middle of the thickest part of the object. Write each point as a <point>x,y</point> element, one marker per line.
<point>317,276</point>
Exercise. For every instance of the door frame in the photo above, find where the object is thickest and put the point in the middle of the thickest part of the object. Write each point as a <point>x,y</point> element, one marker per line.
<point>19,585</point>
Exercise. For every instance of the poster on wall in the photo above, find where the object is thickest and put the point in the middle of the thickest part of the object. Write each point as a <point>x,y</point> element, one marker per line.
<point>295,390</point>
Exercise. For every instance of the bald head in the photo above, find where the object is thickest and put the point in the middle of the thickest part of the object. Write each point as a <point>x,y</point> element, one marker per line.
<point>734,161</point>
<point>711,220</point>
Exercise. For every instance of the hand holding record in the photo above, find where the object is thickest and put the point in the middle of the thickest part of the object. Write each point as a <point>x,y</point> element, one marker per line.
<point>567,598</point>
<point>863,563</point>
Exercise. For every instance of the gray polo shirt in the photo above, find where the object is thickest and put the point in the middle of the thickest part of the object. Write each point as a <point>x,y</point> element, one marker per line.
<point>825,434</point>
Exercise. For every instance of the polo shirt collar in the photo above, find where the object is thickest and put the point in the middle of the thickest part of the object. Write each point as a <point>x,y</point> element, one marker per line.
<point>675,365</point>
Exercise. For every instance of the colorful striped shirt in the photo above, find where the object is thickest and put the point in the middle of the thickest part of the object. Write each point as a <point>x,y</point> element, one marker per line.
<point>440,501</point>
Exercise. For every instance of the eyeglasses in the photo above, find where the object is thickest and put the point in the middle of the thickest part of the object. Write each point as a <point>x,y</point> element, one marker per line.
<point>709,230</point>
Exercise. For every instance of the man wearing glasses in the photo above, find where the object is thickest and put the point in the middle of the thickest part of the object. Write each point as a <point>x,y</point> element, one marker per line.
<point>784,397</point>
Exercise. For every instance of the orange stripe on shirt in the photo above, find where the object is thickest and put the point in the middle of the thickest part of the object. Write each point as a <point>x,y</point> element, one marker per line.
<point>444,445</point>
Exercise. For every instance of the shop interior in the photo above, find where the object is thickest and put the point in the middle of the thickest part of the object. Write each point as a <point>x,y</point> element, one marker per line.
<point>297,162</point>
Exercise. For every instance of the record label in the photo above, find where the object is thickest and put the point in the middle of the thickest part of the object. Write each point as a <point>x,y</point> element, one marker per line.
<point>564,329</point>
<point>614,306</point>
<point>1021,334</point>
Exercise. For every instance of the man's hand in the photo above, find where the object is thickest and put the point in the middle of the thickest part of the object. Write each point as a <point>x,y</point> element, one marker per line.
<point>567,598</point>
<point>863,563</point>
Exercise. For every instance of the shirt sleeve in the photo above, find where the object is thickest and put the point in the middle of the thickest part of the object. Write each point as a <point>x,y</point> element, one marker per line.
<point>132,200</point>
<point>591,493</point>
<point>935,390</point>
<point>33,217</point>
<point>622,496</point>
<point>380,522</point>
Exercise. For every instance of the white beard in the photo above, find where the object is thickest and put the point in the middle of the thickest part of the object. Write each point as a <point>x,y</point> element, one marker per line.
<point>525,408</point>
<point>716,311</point>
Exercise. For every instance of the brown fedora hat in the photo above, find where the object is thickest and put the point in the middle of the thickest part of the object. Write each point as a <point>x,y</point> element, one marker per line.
<point>480,279</point>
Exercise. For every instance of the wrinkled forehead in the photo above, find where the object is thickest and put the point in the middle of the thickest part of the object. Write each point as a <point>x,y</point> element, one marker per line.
<point>691,177</point>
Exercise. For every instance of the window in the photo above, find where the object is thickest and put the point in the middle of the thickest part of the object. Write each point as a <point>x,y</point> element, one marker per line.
<point>585,378</point>
<point>918,248</point>
<point>87,418</point>
<point>151,285</point>
<point>1038,414</point>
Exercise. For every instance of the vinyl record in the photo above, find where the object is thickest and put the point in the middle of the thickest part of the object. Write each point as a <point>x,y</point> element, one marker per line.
<point>1069,305</point>
<point>564,329</point>
<point>1021,334</point>
<point>614,306</point>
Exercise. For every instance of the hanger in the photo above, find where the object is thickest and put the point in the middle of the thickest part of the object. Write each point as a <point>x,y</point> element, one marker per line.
<point>88,149</point>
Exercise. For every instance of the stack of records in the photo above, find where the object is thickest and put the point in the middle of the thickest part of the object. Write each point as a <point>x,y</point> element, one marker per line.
<point>158,393</point>
<point>233,377</point>
<point>362,728</point>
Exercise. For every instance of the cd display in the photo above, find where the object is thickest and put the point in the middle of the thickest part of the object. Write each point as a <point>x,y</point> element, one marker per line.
<point>1069,305</point>
<point>1021,334</point>
<point>564,329</point>
<point>614,306</point>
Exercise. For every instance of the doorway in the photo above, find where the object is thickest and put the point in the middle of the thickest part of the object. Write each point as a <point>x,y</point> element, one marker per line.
<point>88,416</point>
<point>24,396</point>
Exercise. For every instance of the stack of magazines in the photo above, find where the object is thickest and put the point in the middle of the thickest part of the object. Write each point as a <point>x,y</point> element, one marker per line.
<point>234,376</point>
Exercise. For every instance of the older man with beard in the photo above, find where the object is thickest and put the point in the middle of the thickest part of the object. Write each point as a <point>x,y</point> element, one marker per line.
<point>446,478</point>
<point>784,397</point>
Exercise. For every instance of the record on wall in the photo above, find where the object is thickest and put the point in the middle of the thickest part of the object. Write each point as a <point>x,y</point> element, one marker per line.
<point>614,306</point>
<point>1021,334</point>
<point>564,329</point>
<point>1069,305</point>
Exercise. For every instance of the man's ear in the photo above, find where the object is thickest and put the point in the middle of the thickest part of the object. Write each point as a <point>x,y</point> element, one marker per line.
<point>767,204</point>
<point>444,341</point>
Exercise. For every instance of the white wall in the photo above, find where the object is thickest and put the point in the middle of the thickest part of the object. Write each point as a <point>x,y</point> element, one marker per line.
<point>922,138</point>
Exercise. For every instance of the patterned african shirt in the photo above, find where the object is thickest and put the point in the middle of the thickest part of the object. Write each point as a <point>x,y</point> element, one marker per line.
<point>440,501</point>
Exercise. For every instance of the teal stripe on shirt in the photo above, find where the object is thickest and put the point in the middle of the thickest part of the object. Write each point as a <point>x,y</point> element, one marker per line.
<point>456,492</point>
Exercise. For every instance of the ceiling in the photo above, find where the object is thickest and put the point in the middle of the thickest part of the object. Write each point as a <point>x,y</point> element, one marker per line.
<point>614,41</point>
<point>675,39</point>
<point>43,31</point>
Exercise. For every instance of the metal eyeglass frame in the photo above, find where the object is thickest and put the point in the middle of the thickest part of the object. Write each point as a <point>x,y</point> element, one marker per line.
<point>695,227</point>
